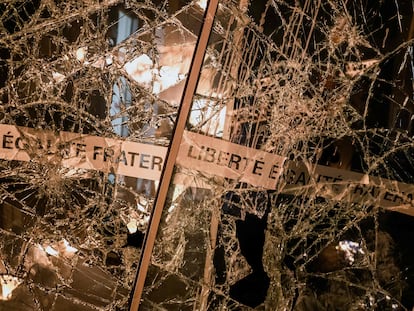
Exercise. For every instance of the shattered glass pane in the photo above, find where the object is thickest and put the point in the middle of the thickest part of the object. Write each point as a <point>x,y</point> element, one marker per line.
<point>70,72</point>
<point>324,89</point>
<point>296,188</point>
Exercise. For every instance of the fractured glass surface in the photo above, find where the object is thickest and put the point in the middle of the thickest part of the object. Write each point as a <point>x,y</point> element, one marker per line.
<point>326,86</point>
<point>71,236</point>
<point>316,216</point>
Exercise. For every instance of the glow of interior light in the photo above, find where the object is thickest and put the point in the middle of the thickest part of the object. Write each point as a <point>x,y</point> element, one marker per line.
<point>156,87</point>
<point>108,60</point>
<point>72,172</point>
<point>168,76</point>
<point>170,212</point>
<point>61,248</point>
<point>350,249</point>
<point>58,77</point>
<point>51,251</point>
<point>81,54</point>
<point>99,63</point>
<point>142,207</point>
<point>171,208</point>
<point>178,190</point>
<point>196,114</point>
<point>140,69</point>
<point>202,110</point>
<point>132,226</point>
<point>202,4</point>
<point>220,122</point>
<point>371,301</point>
<point>8,285</point>
<point>68,248</point>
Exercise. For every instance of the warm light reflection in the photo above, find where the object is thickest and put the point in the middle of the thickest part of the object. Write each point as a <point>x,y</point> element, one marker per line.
<point>169,76</point>
<point>67,248</point>
<point>142,206</point>
<point>350,250</point>
<point>58,77</point>
<point>81,54</point>
<point>8,285</point>
<point>178,190</point>
<point>61,248</point>
<point>142,70</point>
<point>51,251</point>
<point>132,226</point>
<point>206,116</point>
<point>202,4</point>
<point>138,220</point>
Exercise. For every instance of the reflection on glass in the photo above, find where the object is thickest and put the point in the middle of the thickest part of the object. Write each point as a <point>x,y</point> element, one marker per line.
<point>293,188</point>
<point>110,70</point>
<point>313,88</point>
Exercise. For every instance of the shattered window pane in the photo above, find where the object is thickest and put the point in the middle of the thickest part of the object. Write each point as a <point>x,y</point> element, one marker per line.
<point>297,190</point>
<point>71,236</point>
<point>327,87</point>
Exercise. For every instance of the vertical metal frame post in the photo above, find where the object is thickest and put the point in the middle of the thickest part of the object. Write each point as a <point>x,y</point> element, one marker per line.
<point>183,112</point>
